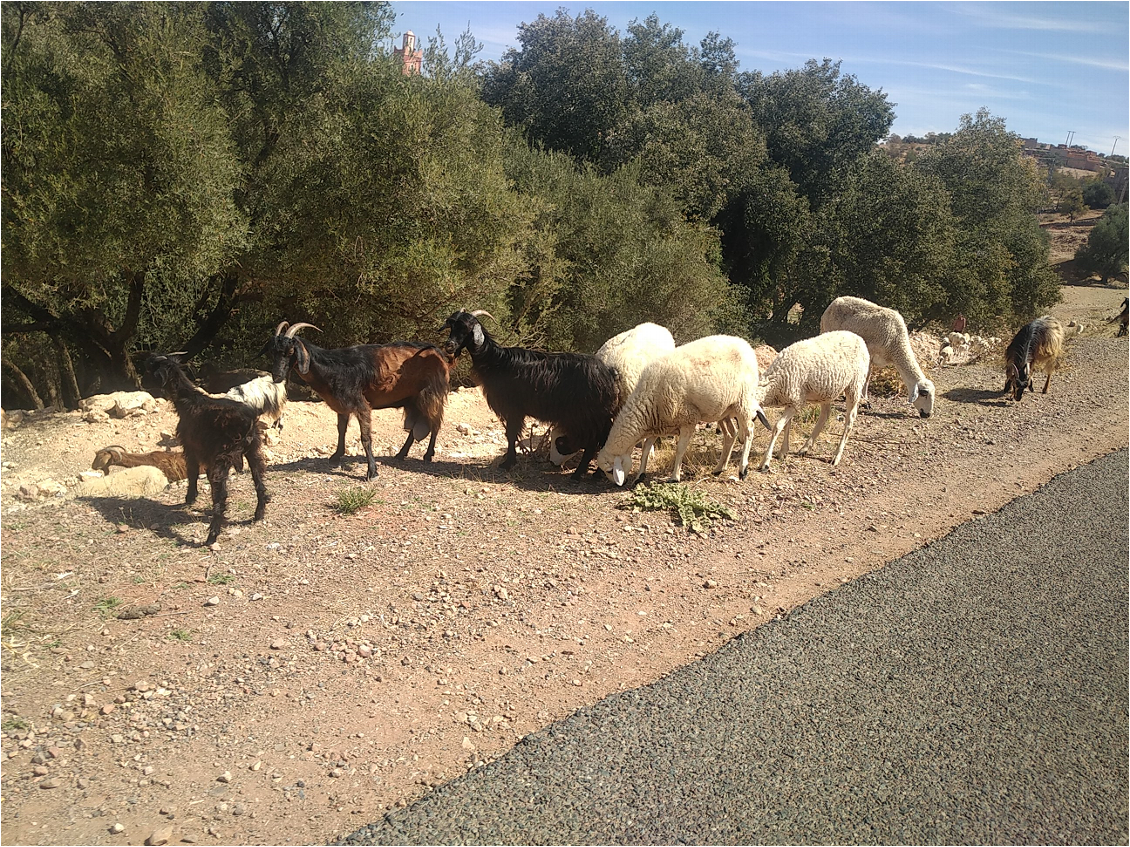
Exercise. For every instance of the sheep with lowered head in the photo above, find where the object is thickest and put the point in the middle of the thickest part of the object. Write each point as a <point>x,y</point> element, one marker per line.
<point>628,353</point>
<point>888,343</point>
<point>711,379</point>
<point>816,370</point>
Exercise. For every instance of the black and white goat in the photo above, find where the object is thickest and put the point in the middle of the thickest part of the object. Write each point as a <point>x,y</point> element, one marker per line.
<point>1038,344</point>
<point>576,393</point>
<point>264,395</point>
<point>216,433</point>
<point>355,380</point>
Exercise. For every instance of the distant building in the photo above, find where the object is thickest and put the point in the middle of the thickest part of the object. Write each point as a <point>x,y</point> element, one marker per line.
<point>411,57</point>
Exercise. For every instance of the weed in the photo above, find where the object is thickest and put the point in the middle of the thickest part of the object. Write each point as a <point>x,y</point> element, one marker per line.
<point>11,623</point>
<point>15,723</point>
<point>106,606</point>
<point>220,578</point>
<point>691,507</point>
<point>354,499</point>
<point>180,635</point>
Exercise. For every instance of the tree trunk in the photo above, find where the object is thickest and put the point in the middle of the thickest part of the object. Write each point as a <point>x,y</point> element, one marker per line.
<point>67,369</point>
<point>22,383</point>
<point>211,325</point>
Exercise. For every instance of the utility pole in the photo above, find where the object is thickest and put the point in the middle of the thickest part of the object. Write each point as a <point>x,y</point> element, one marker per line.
<point>1117,138</point>
<point>1070,133</point>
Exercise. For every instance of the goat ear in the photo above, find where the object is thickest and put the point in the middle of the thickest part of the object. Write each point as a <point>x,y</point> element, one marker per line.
<point>478,336</point>
<point>302,357</point>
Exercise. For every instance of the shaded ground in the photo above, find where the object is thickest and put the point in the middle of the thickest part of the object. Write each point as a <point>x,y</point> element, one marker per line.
<point>351,661</point>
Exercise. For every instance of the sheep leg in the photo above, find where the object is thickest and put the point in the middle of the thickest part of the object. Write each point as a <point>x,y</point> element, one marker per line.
<point>648,449</point>
<point>778,428</point>
<point>513,430</point>
<point>727,449</point>
<point>867,388</point>
<point>586,458</point>
<point>746,432</point>
<point>685,434</point>
<point>192,467</point>
<point>825,413</point>
<point>849,422</point>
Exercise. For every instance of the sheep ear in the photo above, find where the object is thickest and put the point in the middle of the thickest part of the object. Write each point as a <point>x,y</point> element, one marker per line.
<point>302,357</point>
<point>913,393</point>
<point>618,475</point>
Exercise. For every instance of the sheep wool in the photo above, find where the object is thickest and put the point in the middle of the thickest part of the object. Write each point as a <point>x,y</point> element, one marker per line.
<point>888,343</point>
<point>816,370</point>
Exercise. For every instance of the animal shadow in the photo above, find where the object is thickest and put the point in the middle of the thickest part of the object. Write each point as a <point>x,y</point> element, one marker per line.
<point>980,396</point>
<point>161,519</point>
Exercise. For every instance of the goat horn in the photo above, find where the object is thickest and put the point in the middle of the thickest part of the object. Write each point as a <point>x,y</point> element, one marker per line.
<point>478,312</point>
<point>279,329</point>
<point>290,332</point>
<point>177,353</point>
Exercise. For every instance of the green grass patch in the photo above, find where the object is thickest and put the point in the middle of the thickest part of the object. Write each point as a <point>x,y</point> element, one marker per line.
<point>688,506</point>
<point>352,500</point>
<point>220,578</point>
<point>9,724</point>
<point>106,606</point>
<point>180,635</point>
<point>11,623</point>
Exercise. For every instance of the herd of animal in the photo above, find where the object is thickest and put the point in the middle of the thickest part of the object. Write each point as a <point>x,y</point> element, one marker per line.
<point>638,387</point>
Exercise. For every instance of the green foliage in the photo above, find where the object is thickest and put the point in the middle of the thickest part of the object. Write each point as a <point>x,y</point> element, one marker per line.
<point>1071,203</point>
<point>15,723</point>
<point>690,507</point>
<point>1001,272</point>
<point>352,500</point>
<point>1106,250</point>
<point>1097,194</point>
<point>182,635</point>
<point>220,578</point>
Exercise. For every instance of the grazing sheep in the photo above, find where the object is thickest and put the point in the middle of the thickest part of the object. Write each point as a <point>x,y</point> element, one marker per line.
<point>629,353</point>
<point>170,462</point>
<point>816,370</point>
<point>577,393</point>
<point>711,379</point>
<point>215,432</point>
<point>888,343</point>
<point>1038,344</point>
<point>355,380</point>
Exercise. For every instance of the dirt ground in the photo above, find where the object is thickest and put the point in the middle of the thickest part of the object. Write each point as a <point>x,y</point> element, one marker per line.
<point>318,668</point>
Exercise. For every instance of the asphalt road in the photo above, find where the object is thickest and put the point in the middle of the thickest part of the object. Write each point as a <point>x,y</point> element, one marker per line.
<point>974,691</point>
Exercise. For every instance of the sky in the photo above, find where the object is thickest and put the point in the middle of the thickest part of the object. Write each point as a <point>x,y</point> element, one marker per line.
<point>1053,70</point>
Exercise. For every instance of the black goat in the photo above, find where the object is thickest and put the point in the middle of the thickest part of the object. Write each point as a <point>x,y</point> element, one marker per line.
<point>1123,318</point>
<point>355,380</point>
<point>577,393</point>
<point>1038,344</point>
<point>216,433</point>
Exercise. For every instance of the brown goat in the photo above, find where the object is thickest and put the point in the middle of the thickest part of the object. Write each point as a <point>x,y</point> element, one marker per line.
<point>1038,344</point>
<point>169,462</point>
<point>355,380</point>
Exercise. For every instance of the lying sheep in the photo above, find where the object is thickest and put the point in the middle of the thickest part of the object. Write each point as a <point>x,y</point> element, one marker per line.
<point>888,343</point>
<point>816,370</point>
<point>711,379</point>
<point>628,353</point>
<point>170,462</point>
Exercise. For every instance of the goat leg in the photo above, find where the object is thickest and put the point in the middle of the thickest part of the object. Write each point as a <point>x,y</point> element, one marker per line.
<point>192,467</point>
<point>258,466</point>
<point>1047,383</point>
<point>429,454</point>
<point>403,454</point>
<point>513,430</point>
<point>365,419</point>
<point>218,477</point>
<point>342,425</point>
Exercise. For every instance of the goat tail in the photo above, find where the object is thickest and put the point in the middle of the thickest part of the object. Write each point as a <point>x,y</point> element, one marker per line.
<point>433,399</point>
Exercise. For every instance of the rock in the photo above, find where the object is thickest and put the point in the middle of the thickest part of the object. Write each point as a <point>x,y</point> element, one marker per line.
<point>280,644</point>
<point>161,835</point>
<point>117,828</point>
<point>225,777</point>
<point>212,601</point>
<point>94,416</point>
<point>132,483</point>
<point>52,782</point>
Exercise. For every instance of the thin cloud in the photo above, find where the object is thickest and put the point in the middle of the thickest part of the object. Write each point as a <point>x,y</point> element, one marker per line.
<point>992,16</point>
<point>1106,64</point>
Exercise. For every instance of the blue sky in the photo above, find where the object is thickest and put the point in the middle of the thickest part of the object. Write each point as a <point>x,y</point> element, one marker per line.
<point>1047,68</point>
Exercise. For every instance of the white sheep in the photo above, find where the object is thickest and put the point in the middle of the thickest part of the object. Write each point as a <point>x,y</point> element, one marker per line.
<point>816,370</point>
<point>888,342</point>
<point>711,379</point>
<point>629,353</point>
